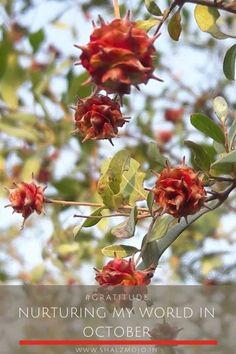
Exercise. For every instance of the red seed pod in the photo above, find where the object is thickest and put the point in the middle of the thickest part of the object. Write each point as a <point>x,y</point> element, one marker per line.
<point>174,115</point>
<point>26,198</point>
<point>165,136</point>
<point>119,55</point>
<point>98,117</point>
<point>123,272</point>
<point>179,191</point>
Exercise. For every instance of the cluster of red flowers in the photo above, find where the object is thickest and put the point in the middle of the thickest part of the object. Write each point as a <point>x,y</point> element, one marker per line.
<point>119,55</point>
<point>179,192</point>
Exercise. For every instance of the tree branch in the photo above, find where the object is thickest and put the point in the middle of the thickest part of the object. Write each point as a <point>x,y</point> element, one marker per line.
<point>221,5</point>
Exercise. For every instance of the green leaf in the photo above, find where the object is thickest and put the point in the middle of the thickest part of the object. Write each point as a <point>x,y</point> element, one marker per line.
<point>21,133</point>
<point>177,230</point>
<point>119,163</point>
<point>5,48</point>
<point>146,25</point>
<point>121,181</point>
<point>208,127</point>
<point>67,187</point>
<point>206,18</point>
<point>229,65</point>
<point>174,26</point>
<point>132,184</point>
<point>153,8</point>
<point>220,107</point>
<point>31,166</point>
<point>154,154</point>
<point>219,148</point>
<point>161,227</point>
<point>150,255</point>
<point>110,181</point>
<point>22,117</point>
<point>67,248</point>
<point>127,228</point>
<point>200,157</point>
<point>227,159</point>
<point>36,39</point>
<point>37,273</point>
<point>210,262</point>
<point>150,201</point>
<point>75,87</point>
<point>120,251</point>
<point>12,79</point>
<point>232,135</point>
<point>89,222</point>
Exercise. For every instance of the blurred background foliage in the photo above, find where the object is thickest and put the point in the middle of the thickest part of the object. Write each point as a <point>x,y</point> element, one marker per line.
<point>39,83</point>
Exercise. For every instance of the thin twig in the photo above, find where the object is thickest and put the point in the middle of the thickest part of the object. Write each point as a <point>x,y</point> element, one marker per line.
<point>116,8</point>
<point>93,205</point>
<point>70,203</point>
<point>166,14</point>
<point>99,216</point>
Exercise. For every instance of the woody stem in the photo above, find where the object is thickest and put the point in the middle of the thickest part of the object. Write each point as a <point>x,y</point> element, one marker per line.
<point>96,205</point>
<point>116,8</point>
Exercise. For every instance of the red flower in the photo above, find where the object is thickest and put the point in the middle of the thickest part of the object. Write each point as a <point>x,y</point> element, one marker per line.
<point>165,136</point>
<point>119,55</point>
<point>123,272</point>
<point>98,117</point>
<point>174,115</point>
<point>26,198</point>
<point>179,191</point>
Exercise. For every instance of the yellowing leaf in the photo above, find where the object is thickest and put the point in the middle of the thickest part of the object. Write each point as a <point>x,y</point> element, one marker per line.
<point>146,25</point>
<point>210,263</point>
<point>220,107</point>
<point>119,251</point>
<point>12,79</point>
<point>132,183</point>
<point>67,248</point>
<point>174,26</point>
<point>31,166</point>
<point>127,228</point>
<point>206,18</point>
<point>121,181</point>
<point>60,25</point>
